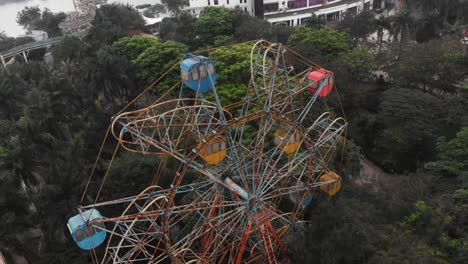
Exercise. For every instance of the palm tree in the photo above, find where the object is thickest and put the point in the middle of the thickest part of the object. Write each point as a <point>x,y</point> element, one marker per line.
<point>382,24</point>
<point>401,25</point>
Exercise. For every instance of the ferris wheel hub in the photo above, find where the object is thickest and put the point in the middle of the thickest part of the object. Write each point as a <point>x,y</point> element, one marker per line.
<point>254,203</point>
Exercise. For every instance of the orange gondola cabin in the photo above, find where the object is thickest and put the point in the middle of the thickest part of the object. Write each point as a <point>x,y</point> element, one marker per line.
<point>321,81</point>
<point>332,183</point>
<point>214,151</point>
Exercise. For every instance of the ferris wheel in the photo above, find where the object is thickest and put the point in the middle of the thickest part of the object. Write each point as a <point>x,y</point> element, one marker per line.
<point>259,163</point>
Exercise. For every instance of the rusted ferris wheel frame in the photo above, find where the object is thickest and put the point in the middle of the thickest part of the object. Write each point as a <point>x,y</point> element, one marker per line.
<point>237,206</point>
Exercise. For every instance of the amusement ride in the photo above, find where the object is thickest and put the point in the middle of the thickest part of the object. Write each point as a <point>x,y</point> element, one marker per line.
<point>259,163</point>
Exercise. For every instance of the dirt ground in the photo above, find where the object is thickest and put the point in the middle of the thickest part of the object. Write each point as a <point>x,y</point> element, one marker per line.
<point>370,174</point>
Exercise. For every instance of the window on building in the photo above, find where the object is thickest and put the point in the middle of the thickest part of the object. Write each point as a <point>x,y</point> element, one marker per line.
<point>227,2</point>
<point>216,2</point>
<point>209,3</point>
<point>316,2</point>
<point>271,7</point>
<point>297,4</point>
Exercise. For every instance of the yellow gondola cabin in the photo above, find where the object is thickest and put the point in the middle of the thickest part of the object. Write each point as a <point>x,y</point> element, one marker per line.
<point>214,151</point>
<point>289,144</point>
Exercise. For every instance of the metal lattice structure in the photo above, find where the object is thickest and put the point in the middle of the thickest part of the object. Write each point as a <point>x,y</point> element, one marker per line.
<point>258,162</point>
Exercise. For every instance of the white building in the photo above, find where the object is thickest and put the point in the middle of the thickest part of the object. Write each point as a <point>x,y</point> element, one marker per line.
<point>197,5</point>
<point>288,12</point>
<point>293,13</point>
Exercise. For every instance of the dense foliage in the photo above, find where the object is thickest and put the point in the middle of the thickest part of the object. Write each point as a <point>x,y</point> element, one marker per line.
<point>413,125</point>
<point>31,18</point>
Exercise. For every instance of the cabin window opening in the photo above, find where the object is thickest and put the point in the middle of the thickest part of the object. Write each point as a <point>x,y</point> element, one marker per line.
<point>313,84</point>
<point>89,230</point>
<point>211,68</point>
<point>298,137</point>
<point>216,147</point>
<point>98,227</point>
<point>203,72</point>
<point>185,75</point>
<point>195,74</point>
<point>223,145</point>
<point>79,235</point>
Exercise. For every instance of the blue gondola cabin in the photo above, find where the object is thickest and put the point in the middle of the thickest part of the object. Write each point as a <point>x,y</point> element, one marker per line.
<point>198,73</point>
<point>85,231</point>
<point>321,78</point>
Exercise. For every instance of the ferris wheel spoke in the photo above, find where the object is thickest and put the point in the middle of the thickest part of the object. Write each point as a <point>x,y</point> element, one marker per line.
<point>273,177</point>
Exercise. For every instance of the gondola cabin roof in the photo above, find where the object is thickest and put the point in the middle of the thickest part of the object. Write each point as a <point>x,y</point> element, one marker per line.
<point>84,232</point>
<point>321,79</point>
<point>193,61</point>
<point>318,74</point>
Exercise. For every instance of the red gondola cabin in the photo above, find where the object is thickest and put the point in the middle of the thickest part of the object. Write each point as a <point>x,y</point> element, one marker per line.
<point>319,78</point>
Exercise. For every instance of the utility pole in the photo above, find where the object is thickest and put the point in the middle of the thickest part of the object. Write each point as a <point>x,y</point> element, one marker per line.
<point>4,65</point>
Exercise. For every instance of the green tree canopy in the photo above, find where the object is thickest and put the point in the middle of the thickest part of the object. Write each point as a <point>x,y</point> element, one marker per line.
<point>159,58</point>
<point>132,47</point>
<point>359,62</point>
<point>325,42</point>
<point>154,11</point>
<point>31,18</point>
<point>247,27</point>
<point>175,6</point>
<point>214,22</point>
<point>233,72</point>
<point>114,21</point>
<point>180,29</point>
<point>358,26</point>
<point>413,119</point>
<point>453,154</point>
<point>438,72</point>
